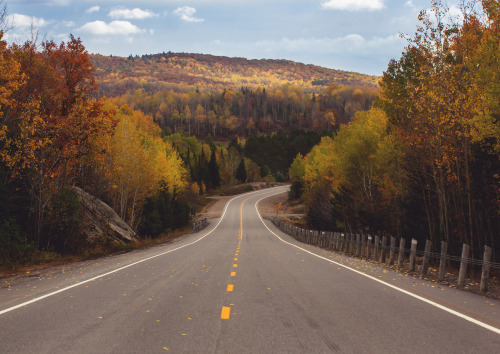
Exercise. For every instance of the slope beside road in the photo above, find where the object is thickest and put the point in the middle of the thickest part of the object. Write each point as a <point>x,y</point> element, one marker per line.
<point>239,286</point>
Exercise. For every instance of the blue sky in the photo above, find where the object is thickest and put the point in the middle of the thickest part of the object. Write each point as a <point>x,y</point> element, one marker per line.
<point>353,35</point>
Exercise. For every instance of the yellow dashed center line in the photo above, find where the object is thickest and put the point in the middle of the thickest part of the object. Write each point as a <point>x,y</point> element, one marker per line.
<point>225,313</point>
<point>226,310</point>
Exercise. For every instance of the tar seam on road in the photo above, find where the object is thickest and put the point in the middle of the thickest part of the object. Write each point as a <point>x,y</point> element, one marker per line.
<point>421,298</point>
<point>118,269</point>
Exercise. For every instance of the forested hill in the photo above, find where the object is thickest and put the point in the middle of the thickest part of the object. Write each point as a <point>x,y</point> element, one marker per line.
<point>183,72</point>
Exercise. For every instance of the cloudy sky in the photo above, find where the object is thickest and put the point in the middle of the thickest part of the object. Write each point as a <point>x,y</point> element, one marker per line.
<point>354,35</point>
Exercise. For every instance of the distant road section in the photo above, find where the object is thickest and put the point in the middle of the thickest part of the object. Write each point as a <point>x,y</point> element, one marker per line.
<point>239,286</point>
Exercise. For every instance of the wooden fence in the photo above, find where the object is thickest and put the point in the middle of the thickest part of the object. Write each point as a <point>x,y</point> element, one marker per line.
<point>199,225</point>
<point>377,248</point>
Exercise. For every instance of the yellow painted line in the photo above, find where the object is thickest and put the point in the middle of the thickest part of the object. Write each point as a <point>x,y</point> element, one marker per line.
<point>225,313</point>
<point>236,259</point>
<point>235,266</point>
<point>230,287</point>
<point>240,236</point>
<point>233,274</point>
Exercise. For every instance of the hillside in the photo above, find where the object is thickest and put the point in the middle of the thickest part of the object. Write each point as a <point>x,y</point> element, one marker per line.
<point>183,72</point>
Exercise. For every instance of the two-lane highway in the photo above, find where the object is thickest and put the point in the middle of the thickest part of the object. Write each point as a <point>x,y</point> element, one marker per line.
<point>239,286</point>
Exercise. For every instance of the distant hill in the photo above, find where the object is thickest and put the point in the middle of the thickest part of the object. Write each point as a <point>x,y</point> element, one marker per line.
<point>185,72</point>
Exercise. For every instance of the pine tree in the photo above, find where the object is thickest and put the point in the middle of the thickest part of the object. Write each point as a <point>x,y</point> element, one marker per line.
<point>203,174</point>
<point>241,172</point>
<point>213,169</point>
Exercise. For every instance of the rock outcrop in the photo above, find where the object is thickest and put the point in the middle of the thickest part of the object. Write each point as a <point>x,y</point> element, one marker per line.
<point>100,219</point>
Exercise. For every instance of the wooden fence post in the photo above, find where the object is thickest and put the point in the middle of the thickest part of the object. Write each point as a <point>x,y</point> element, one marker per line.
<point>413,253</point>
<point>369,248</point>
<point>485,273</point>
<point>358,242</point>
<point>427,256</point>
<point>401,255</point>
<point>383,247</point>
<point>377,244</point>
<point>442,261</point>
<point>363,245</point>
<point>463,266</point>
<point>351,245</point>
<point>392,253</point>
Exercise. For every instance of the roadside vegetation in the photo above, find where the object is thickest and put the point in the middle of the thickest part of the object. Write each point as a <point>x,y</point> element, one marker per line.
<point>424,161</point>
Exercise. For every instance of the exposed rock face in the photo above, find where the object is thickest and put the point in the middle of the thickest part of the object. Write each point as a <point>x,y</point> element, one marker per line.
<point>100,219</point>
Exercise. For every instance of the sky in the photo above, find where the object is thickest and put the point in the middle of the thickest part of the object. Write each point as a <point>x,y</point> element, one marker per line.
<point>352,35</point>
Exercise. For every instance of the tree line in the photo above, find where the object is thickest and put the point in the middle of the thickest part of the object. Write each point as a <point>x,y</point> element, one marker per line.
<point>55,135</point>
<point>246,112</point>
<point>424,161</point>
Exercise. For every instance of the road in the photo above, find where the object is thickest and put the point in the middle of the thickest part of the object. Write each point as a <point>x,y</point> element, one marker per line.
<point>239,286</point>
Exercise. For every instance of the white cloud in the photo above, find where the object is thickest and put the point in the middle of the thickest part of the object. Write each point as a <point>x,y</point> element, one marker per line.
<point>351,44</point>
<point>136,14</point>
<point>456,12</point>
<point>353,5</point>
<point>68,23</point>
<point>186,14</point>
<point>20,21</point>
<point>124,28</point>
<point>93,9</point>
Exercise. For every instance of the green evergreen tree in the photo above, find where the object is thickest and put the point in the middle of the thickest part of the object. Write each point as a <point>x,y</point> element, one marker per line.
<point>241,172</point>
<point>213,169</point>
<point>203,174</point>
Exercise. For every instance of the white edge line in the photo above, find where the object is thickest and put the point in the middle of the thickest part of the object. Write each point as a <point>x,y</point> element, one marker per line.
<point>435,304</point>
<point>124,267</point>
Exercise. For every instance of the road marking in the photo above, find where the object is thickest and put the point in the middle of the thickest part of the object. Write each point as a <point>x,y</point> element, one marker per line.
<point>233,274</point>
<point>241,216</point>
<point>230,287</point>
<point>421,298</point>
<point>24,304</point>
<point>225,313</point>
<point>236,259</point>
<point>235,265</point>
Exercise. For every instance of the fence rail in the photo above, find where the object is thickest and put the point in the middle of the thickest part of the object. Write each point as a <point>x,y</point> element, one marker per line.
<point>199,225</point>
<point>366,246</point>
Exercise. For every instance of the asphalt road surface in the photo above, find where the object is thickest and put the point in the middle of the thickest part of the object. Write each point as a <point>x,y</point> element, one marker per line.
<point>239,286</point>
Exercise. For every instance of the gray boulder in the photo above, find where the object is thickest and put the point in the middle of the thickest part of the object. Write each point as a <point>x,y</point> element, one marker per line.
<point>99,219</point>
